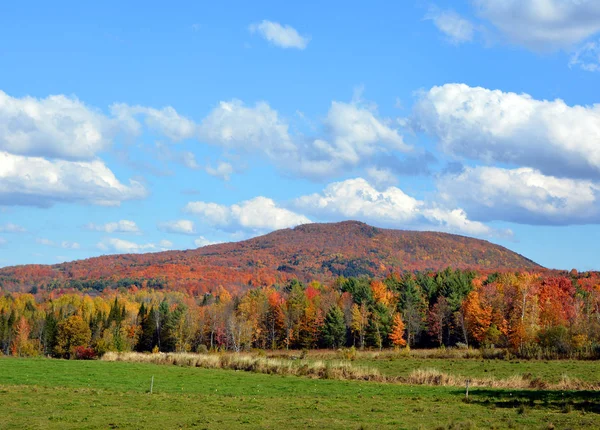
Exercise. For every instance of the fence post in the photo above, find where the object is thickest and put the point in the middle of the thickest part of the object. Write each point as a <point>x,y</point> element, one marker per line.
<point>467,392</point>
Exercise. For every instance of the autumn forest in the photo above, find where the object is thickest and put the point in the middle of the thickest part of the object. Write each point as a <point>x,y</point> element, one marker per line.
<point>540,315</point>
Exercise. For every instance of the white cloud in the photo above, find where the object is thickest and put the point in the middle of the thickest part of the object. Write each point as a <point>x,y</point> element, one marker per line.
<point>122,226</point>
<point>165,121</point>
<point>233,125</point>
<point>357,199</point>
<point>39,182</point>
<point>113,245</point>
<point>456,28</point>
<point>3,241</point>
<point>279,35</point>
<point>353,134</point>
<point>356,133</point>
<point>495,126</point>
<point>57,126</point>
<point>69,245</point>
<point>165,244</point>
<point>543,24</point>
<point>382,177</point>
<point>189,160</point>
<point>63,244</point>
<point>12,228</point>
<point>258,214</point>
<point>202,241</point>
<point>587,57</point>
<point>522,195</point>
<point>181,226</point>
<point>223,170</point>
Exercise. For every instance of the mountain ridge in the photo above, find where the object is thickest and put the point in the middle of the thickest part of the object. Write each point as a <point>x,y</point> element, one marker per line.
<point>309,251</point>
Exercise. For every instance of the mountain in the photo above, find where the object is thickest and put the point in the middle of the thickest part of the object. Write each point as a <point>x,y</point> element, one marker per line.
<point>309,251</point>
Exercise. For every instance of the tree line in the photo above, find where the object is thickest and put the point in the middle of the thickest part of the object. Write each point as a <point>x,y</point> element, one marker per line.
<point>531,314</point>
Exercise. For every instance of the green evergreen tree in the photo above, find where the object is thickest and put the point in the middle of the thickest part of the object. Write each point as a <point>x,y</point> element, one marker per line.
<point>49,333</point>
<point>334,328</point>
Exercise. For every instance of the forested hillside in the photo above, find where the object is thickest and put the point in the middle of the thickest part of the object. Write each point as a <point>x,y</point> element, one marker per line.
<point>307,252</point>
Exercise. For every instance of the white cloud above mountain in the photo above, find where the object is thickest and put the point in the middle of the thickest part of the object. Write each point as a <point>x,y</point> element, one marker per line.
<point>180,226</point>
<point>503,127</point>
<point>121,226</point>
<point>352,134</point>
<point>56,126</point>
<point>283,36</point>
<point>12,228</point>
<point>116,245</point>
<point>455,28</point>
<point>165,121</point>
<point>259,214</point>
<point>523,195</point>
<point>542,25</point>
<point>393,208</point>
<point>36,181</point>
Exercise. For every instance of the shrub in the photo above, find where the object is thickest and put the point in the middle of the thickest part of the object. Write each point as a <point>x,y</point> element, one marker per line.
<point>83,353</point>
<point>347,353</point>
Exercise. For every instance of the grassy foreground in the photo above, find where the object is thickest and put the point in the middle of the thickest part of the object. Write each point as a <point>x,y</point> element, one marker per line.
<point>42,393</point>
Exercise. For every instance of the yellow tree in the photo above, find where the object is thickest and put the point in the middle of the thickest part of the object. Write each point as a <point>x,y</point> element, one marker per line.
<point>72,332</point>
<point>476,316</point>
<point>21,345</point>
<point>360,321</point>
<point>397,333</point>
<point>381,294</point>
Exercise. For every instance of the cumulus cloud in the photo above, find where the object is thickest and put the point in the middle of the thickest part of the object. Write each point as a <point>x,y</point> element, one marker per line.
<point>522,195</point>
<point>358,199</point>
<point>222,170</point>
<point>69,245</point>
<point>63,244</point>
<point>12,228</point>
<point>115,245</point>
<point>181,226</point>
<point>456,28</point>
<point>356,132</point>
<point>381,177</point>
<point>233,125</point>
<point>258,214</point>
<point>122,226</point>
<point>353,134</point>
<point>496,126</point>
<point>57,126</point>
<point>587,57</point>
<point>543,25</point>
<point>39,182</point>
<point>202,241</point>
<point>283,36</point>
<point>166,121</point>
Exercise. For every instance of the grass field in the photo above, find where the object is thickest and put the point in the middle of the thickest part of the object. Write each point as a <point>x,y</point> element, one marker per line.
<point>43,393</point>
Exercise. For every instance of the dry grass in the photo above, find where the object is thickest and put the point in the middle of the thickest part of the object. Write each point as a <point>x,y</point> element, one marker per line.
<point>437,378</point>
<point>386,354</point>
<point>250,363</point>
<point>340,370</point>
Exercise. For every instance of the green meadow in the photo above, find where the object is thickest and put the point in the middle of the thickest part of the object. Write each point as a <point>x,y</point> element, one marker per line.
<point>45,393</point>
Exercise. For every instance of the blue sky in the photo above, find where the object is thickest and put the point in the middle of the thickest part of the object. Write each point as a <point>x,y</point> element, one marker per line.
<point>151,126</point>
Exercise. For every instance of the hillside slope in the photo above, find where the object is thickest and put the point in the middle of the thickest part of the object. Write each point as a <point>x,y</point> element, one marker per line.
<point>310,251</point>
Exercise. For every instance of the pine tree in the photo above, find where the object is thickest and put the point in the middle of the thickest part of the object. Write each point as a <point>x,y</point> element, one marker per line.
<point>334,328</point>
